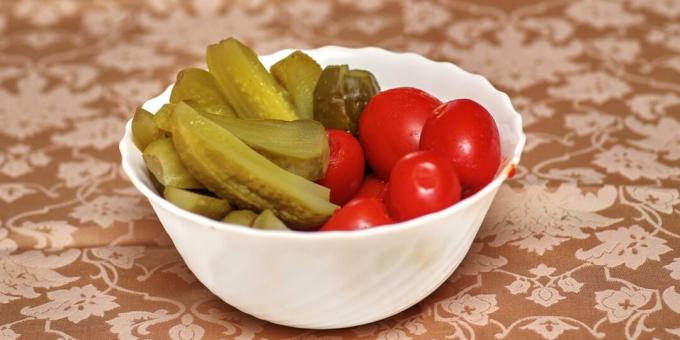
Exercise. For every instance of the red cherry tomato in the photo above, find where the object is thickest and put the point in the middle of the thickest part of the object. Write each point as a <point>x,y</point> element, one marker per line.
<point>465,133</point>
<point>359,213</point>
<point>390,126</point>
<point>421,182</point>
<point>345,166</point>
<point>372,187</point>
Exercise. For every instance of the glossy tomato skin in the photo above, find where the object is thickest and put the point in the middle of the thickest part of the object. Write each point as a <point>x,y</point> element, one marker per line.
<point>345,167</point>
<point>421,182</point>
<point>465,133</point>
<point>372,187</point>
<point>391,124</point>
<point>359,213</point>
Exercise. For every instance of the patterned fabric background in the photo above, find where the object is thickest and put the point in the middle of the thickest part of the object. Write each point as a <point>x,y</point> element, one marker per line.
<point>583,243</point>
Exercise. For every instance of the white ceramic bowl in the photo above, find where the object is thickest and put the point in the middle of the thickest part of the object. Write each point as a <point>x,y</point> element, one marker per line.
<point>339,279</point>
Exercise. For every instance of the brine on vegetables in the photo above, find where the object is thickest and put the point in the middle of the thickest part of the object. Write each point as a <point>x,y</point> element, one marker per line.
<point>234,171</point>
<point>244,81</point>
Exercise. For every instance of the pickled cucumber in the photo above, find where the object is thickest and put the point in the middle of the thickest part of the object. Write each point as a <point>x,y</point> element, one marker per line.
<point>156,184</point>
<point>246,84</point>
<point>341,95</point>
<point>204,205</point>
<point>298,73</point>
<point>360,86</point>
<point>300,146</point>
<point>162,161</point>
<point>242,217</point>
<point>162,118</point>
<point>144,131</point>
<point>234,171</point>
<point>267,220</point>
<point>200,88</point>
<point>329,102</point>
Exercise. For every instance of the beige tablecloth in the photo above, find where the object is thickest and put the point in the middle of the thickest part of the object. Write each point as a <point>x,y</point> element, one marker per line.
<point>582,243</point>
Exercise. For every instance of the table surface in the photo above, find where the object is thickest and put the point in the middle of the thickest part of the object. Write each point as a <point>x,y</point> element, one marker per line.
<point>582,243</point>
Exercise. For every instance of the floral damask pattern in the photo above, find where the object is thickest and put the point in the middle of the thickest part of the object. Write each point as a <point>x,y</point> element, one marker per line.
<point>538,219</point>
<point>598,87</point>
<point>19,159</point>
<point>75,304</point>
<point>105,210</point>
<point>602,14</point>
<point>628,246</point>
<point>621,304</point>
<point>24,117</point>
<point>582,243</point>
<point>513,62</point>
